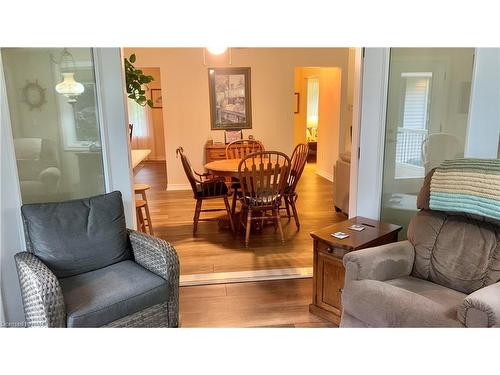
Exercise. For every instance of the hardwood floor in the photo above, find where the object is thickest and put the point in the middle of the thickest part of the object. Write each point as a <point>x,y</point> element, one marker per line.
<point>281,303</point>
<point>216,250</point>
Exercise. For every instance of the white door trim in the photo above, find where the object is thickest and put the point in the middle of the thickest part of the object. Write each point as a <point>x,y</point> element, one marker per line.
<point>114,129</point>
<point>356,125</point>
<point>372,132</point>
<point>12,235</point>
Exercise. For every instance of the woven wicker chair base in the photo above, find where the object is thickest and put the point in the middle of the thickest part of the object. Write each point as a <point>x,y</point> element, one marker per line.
<point>153,317</point>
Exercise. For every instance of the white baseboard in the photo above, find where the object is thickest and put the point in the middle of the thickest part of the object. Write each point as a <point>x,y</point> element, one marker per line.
<point>174,187</point>
<point>324,174</point>
<point>245,276</point>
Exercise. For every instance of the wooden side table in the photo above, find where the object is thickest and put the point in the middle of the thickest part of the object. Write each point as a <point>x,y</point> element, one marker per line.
<point>328,269</point>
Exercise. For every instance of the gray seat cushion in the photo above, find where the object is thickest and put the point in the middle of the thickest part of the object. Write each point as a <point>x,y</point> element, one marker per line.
<point>402,302</point>
<point>78,236</point>
<point>99,297</point>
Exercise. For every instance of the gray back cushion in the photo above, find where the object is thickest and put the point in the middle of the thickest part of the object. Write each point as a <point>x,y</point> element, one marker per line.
<point>459,251</point>
<point>77,236</point>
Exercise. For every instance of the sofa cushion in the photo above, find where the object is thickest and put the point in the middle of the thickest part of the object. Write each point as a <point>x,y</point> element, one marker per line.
<point>77,236</point>
<point>402,302</point>
<point>99,297</point>
<point>457,251</point>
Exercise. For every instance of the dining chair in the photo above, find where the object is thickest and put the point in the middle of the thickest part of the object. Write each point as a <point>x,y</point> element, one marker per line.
<point>241,148</point>
<point>238,150</point>
<point>205,186</point>
<point>290,196</point>
<point>263,177</point>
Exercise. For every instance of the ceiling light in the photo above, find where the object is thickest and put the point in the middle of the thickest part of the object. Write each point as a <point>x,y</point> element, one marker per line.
<point>216,50</point>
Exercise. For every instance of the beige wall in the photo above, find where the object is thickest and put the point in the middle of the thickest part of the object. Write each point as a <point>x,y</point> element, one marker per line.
<point>329,109</point>
<point>186,112</point>
<point>155,139</point>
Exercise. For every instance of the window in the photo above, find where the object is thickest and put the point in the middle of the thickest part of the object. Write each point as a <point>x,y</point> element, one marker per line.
<point>413,127</point>
<point>312,109</point>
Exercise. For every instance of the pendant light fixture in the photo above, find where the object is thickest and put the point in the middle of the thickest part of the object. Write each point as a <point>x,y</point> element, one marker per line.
<point>69,87</point>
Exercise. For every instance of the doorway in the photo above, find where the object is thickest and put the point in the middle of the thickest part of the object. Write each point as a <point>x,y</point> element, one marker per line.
<point>317,121</point>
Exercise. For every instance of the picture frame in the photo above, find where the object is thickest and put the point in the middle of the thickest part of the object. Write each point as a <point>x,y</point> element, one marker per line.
<point>232,135</point>
<point>230,98</point>
<point>156,98</point>
<point>296,102</point>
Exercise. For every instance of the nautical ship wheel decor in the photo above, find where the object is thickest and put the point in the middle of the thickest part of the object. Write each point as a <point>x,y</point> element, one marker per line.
<point>34,95</point>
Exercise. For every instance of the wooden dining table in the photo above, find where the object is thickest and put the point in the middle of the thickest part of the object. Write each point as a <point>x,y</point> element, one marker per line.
<point>227,167</point>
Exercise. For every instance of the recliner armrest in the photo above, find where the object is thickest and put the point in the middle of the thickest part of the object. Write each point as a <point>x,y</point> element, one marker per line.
<point>380,263</point>
<point>42,295</point>
<point>481,308</point>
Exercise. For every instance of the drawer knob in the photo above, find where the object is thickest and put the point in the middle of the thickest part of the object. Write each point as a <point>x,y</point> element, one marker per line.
<point>329,250</point>
<point>341,290</point>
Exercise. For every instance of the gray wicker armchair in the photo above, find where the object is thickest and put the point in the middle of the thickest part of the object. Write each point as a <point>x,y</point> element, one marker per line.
<point>83,268</point>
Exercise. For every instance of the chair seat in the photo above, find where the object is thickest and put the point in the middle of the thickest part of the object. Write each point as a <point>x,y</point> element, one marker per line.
<point>99,297</point>
<point>139,188</point>
<point>402,302</point>
<point>262,200</point>
<point>212,189</point>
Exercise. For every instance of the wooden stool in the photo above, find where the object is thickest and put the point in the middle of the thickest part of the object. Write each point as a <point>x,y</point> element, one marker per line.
<point>142,222</point>
<point>140,204</point>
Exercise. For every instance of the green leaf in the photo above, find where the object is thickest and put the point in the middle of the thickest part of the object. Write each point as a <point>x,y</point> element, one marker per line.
<point>150,103</point>
<point>132,58</point>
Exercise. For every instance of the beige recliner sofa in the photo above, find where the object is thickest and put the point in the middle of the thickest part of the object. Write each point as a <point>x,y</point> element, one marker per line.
<point>445,275</point>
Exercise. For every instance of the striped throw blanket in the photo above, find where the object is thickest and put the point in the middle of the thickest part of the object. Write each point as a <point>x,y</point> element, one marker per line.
<point>467,185</point>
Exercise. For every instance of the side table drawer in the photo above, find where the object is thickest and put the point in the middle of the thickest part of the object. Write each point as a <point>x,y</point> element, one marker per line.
<point>331,250</point>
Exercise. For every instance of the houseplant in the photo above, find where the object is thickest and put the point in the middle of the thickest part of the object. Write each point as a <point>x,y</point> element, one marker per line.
<point>134,81</point>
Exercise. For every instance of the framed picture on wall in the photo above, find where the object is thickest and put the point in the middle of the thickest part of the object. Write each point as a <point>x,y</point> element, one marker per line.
<point>230,101</point>
<point>296,102</point>
<point>232,135</point>
<point>156,98</point>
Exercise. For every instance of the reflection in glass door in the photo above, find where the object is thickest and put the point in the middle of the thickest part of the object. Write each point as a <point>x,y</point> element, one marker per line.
<point>426,122</point>
<point>55,124</point>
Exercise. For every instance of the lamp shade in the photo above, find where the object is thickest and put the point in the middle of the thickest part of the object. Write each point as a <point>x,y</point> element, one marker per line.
<point>69,87</point>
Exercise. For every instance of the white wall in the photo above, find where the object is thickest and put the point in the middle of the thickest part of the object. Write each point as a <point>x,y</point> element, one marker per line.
<point>484,114</point>
<point>186,112</point>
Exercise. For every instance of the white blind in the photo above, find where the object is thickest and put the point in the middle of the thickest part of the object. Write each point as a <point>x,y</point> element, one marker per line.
<point>416,102</point>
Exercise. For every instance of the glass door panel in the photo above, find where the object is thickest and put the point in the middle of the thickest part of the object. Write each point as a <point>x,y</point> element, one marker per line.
<point>426,122</point>
<point>55,124</point>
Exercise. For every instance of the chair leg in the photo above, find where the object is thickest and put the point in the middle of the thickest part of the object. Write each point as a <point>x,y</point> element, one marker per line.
<point>229,214</point>
<point>148,215</point>
<point>233,204</point>
<point>138,215</point>
<point>141,220</point>
<point>295,214</point>
<point>196,215</point>
<point>287,205</point>
<point>249,224</point>
<point>278,220</point>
